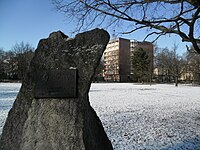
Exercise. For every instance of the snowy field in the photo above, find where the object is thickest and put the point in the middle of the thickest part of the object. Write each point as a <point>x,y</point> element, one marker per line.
<point>149,117</point>
<point>8,93</point>
<point>138,116</point>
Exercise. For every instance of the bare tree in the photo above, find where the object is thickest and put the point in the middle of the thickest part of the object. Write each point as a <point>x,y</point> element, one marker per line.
<point>160,17</point>
<point>8,65</point>
<point>176,64</point>
<point>170,65</point>
<point>23,55</point>
<point>2,53</point>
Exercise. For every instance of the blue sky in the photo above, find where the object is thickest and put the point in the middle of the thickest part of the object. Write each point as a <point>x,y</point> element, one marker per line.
<point>28,21</point>
<point>32,20</point>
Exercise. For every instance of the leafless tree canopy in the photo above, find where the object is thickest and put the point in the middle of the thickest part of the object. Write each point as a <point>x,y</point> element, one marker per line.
<point>180,17</point>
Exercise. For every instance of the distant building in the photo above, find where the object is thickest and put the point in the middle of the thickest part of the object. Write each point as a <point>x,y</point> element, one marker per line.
<point>117,60</point>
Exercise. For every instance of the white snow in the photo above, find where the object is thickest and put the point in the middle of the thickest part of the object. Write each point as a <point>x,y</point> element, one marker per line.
<point>138,116</point>
<point>8,93</point>
<point>148,117</point>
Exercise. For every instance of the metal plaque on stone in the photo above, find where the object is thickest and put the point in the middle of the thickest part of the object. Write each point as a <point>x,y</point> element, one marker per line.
<point>57,84</point>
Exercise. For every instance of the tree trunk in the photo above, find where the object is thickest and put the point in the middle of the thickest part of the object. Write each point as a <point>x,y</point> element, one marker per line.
<point>176,80</point>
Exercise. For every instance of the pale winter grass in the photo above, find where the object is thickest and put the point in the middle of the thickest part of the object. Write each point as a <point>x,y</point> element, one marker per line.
<point>138,116</point>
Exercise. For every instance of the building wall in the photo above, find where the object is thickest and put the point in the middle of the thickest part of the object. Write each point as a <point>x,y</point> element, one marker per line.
<point>111,61</point>
<point>124,59</point>
<point>117,58</point>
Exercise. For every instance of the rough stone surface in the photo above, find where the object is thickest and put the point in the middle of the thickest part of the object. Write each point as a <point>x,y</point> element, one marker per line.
<point>58,124</point>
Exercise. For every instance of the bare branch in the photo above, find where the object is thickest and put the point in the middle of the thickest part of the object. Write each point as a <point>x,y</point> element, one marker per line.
<point>128,32</point>
<point>165,16</point>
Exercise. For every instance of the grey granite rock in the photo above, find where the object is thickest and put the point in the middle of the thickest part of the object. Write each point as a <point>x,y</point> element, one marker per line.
<point>59,123</point>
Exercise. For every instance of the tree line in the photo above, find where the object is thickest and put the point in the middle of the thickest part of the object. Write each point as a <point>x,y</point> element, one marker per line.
<point>168,66</point>
<point>172,67</point>
<point>15,62</point>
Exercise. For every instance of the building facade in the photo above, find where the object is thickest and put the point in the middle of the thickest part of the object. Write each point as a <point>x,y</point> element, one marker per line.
<point>117,58</point>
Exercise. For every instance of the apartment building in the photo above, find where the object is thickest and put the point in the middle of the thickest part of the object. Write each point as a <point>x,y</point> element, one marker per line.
<point>117,60</point>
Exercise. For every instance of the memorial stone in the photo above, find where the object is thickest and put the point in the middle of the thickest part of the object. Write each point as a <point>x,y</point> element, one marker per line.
<point>52,109</point>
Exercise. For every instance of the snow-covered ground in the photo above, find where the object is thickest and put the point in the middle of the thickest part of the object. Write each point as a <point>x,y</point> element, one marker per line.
<point>8,93</point>
<point>148,117</point>
<point>138,116</point>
